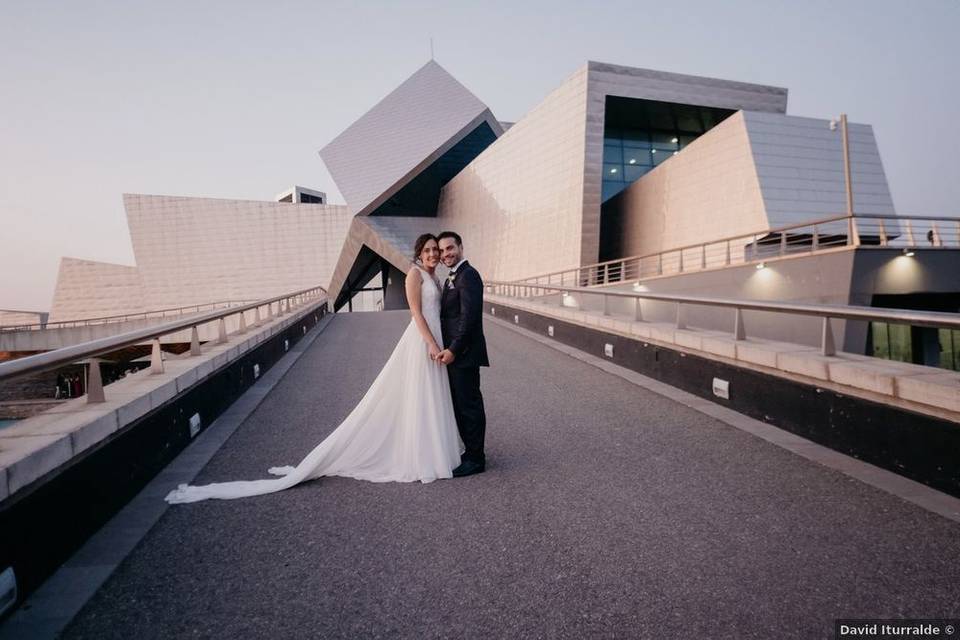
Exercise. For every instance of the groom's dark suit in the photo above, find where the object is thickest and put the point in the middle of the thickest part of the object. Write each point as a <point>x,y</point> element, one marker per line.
<point>461,321</point>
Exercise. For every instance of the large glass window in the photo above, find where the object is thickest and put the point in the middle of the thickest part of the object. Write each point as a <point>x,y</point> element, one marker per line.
<point>642,134</point>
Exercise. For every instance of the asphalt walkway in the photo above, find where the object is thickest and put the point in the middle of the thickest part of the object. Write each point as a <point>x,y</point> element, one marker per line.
<point>606,511</point>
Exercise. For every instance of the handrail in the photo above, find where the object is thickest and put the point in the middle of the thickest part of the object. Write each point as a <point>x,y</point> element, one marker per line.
<point>767,244</point>
<point>823,311</point>
<point>84,322</point>
<point>54,359</point>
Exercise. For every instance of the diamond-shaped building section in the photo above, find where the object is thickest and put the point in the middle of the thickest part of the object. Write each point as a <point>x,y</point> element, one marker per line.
<point>393,162</point>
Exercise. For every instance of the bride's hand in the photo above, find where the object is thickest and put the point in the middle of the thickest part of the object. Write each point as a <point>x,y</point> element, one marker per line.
<point>434,352</point>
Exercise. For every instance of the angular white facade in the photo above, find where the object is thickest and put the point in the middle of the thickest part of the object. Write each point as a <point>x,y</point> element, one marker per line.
<point>401,135</point>
<point>201,250</point>
<point>90,289</point>
<point>528,198</point>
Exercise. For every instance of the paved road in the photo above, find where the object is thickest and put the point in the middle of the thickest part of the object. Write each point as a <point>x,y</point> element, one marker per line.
<point>606,511</point>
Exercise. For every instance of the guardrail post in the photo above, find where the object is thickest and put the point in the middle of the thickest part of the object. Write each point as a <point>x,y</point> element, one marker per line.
<point>194,342</point>
<point>606,305</point>
<point>94,382</point>
<point>703,256</point>
<point>883,233</point>
<point>937,242</point>
<point>606,274</point>
<point>828,348</point>
<point>910,237</point>
<point>269,312</point>
<point>156,358</point>
<point>638,313</point>
<point>660,264</point>
<point>681,323</point>
<point>783,244</point>
<point>739,332</point>
<point>256,317</point>
<point>728,252</point>
<point>243,323</point>
<point>853,234</point>
<point>816,238</point>
<point>681,260</point>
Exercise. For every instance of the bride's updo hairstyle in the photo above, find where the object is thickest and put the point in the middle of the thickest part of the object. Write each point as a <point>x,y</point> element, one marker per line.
<point>420,244</point>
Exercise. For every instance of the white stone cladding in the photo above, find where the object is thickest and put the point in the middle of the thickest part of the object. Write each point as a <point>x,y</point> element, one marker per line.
<point>201,250</point>
<point>751,173</point>
<point>628,82</point>
<point>10,318</point>
<point>90,289</point>
<point>799,163</point>
<point>706,192</point>
<point>401,135</point>
<point>518,205</point>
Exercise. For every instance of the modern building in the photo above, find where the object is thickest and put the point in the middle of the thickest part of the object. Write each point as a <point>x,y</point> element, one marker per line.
<point>300,194</point>
<point>704,186</point>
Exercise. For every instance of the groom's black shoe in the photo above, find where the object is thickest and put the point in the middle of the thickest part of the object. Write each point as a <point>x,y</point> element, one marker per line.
<point>468,468</point>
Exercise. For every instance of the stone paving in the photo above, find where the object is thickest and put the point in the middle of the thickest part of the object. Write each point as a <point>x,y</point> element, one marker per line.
<point>606,511</point>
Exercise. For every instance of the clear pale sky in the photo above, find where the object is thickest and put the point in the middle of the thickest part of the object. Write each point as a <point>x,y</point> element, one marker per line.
<point>234,99</point>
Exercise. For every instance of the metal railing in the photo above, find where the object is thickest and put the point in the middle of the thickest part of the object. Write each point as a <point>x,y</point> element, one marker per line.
<point>52,360</point>
<point>141,315</point>
<point>824,311</point>
<point>826,234</point>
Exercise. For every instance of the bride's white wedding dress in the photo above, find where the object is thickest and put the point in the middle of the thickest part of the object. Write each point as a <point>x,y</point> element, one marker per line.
<point>402,430</point>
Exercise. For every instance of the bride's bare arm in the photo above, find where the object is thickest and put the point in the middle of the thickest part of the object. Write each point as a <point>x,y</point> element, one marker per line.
<point>412,285</point>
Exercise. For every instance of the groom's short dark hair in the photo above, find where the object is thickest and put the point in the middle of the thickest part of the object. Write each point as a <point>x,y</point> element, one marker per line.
<point>450,234</point>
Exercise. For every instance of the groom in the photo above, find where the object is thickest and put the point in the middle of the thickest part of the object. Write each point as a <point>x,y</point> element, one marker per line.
<point>465,350</point>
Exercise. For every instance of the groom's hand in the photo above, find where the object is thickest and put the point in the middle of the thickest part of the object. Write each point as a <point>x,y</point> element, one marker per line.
<point>446,356</point>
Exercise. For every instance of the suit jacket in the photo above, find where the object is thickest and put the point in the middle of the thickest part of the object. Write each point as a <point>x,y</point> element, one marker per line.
<point>461,318</point>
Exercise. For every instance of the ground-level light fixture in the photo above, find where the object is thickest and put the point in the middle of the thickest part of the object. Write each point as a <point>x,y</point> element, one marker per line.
<point>762,265</point>
<point>908,252</point>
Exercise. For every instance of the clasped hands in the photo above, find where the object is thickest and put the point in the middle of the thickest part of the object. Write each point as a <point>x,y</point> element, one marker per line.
<point>441,357</point>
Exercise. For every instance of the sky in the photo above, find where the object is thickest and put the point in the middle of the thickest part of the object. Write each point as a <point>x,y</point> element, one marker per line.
<point>234,99</point>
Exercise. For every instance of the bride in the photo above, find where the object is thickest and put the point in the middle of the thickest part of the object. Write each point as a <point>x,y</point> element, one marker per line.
<point>404,427</point>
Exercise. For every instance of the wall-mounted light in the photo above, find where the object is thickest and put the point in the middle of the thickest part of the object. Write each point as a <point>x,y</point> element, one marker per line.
<point>674,140</point>
<point>762,265</point>
<point>908,252</point>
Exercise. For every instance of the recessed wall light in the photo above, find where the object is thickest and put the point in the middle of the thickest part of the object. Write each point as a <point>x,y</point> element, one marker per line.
<point>674,140</point>
<point>614,170</point>
<point>653,150</point>
<point>633,161</point>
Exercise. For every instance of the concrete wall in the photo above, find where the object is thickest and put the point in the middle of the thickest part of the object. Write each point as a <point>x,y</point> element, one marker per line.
<point>838,277</point>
